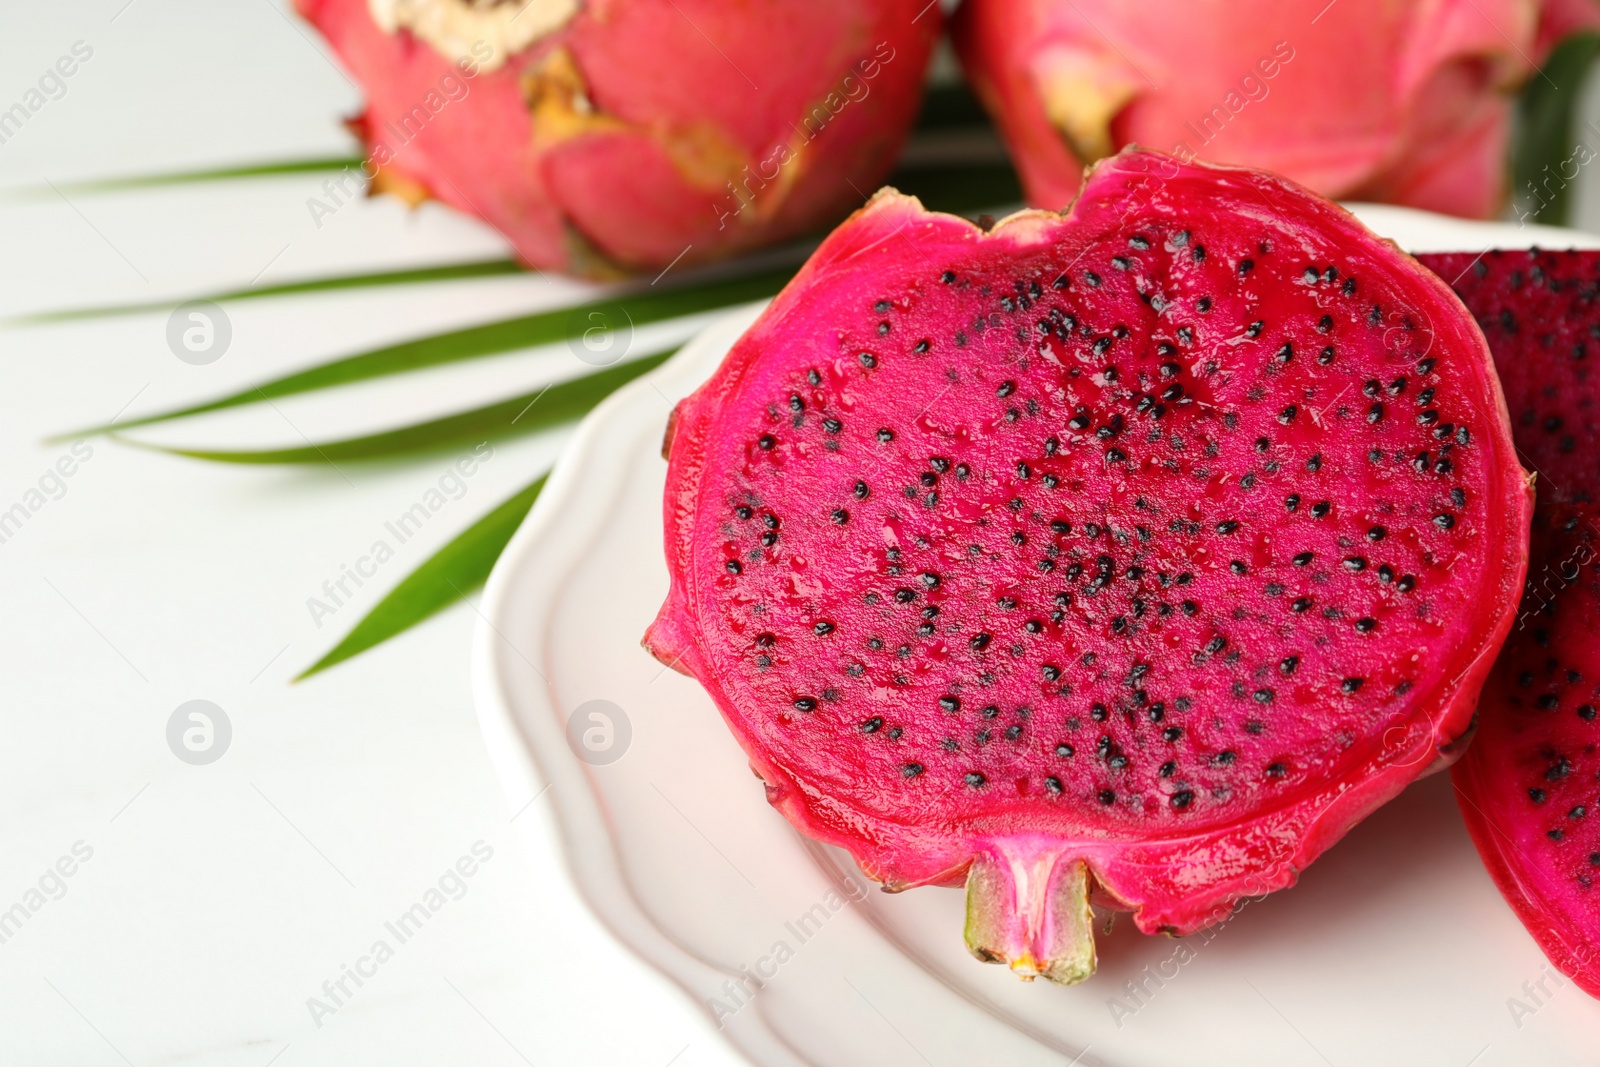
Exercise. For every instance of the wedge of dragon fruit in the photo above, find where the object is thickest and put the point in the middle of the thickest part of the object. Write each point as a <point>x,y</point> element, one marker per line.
<point>1527,787</point>
<point>606,136</point>
<point>1539,312</point>
<point>1131,554</point>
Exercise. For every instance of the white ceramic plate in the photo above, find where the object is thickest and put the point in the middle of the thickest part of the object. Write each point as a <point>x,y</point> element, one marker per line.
<point>1394,948</point>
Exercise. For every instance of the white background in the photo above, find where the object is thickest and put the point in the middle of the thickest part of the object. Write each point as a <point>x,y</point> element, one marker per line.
<point>220,898</point>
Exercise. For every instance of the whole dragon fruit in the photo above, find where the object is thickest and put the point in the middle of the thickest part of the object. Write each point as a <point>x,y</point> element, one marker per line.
<point>1139,550</point>
<point>1527,787</point>
<point>602,136</point>
<point>1368,99</point>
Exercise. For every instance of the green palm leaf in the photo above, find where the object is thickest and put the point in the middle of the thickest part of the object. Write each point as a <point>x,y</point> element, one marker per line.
<point>475,342</point>
<point>946,106</point>
<point>950,105</point>
<point>450,574</point>
<point>562,402</point>
<point>188,177</point>
<point>957,185</point>
<point>1544,162</point>
<point>487,268</point>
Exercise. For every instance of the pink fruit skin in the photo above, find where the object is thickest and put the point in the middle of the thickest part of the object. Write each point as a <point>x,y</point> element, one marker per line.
<point>1178,883</point>
<point>685,94</point>
<point>1406,103</point>
<point>1547,883</point>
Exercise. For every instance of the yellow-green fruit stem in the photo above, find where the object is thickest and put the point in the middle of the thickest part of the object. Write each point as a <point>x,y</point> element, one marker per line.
<point>1029,908</point>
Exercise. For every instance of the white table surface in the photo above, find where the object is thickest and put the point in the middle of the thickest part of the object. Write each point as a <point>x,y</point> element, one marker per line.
<point>218,899</point>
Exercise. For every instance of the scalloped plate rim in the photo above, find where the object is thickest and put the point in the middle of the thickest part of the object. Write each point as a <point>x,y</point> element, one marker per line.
<point>521,761</point>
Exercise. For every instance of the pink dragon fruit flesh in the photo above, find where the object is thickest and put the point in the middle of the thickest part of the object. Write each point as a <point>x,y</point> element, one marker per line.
<point>1540,312</point>
<point>1129,554</point>
<point>1527,787</point>
<point>607,136</point>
